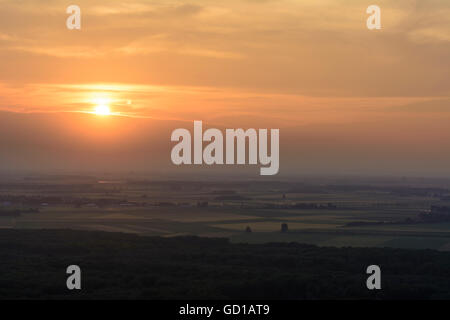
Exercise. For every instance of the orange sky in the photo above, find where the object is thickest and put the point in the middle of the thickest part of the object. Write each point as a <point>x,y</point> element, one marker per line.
<point>309,67</point>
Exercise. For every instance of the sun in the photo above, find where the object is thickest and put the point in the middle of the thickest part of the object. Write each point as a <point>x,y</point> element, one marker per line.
<point>102,106</point>
<point>102,110</point>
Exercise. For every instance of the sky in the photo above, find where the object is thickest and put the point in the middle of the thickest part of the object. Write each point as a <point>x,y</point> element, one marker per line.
<point>346,99</point>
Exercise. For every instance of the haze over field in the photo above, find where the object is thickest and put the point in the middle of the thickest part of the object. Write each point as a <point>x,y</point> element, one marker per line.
<point>346,99</point>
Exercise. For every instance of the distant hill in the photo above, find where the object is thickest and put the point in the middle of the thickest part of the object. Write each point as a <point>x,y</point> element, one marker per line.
<point>115,265</point>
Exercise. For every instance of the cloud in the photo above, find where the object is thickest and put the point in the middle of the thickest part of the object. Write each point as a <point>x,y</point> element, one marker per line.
<point>310,48</point>
<point>436,106</point>
<point>374,100</point>
<point>220,106</point>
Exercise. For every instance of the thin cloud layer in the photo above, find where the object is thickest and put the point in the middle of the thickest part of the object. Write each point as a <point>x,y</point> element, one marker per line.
<point>307,47</point>
<point>351,97</point>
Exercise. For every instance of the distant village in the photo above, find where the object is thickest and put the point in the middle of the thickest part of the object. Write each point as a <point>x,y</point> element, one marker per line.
<point>14,205</point>
<point>436,214</point>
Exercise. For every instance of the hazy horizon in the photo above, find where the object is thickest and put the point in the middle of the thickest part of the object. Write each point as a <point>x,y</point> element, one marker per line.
<point>42,142</point>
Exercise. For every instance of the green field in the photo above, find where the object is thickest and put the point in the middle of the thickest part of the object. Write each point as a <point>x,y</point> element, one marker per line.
<point>315,213</point>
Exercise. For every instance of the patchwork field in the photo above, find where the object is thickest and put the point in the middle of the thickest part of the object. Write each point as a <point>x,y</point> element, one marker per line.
<point>359,215</point>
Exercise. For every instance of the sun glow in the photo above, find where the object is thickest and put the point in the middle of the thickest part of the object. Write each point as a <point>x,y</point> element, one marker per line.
<point>102,110</point>
<point>102,107</point>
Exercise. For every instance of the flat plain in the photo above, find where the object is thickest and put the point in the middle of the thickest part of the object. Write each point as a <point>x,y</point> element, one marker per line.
<point>324,213</point>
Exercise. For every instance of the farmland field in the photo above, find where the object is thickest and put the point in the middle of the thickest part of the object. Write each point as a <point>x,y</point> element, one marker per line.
<point>369,214</point>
